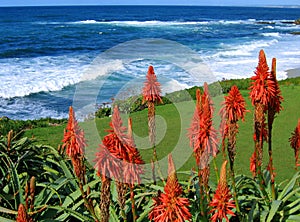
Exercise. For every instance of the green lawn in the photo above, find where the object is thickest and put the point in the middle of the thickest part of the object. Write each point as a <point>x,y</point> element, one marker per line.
<point>172,124</point>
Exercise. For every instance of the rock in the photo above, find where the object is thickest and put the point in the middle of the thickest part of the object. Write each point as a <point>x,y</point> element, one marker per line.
<point>297,22</point>
<point>288,22</point>
<point>295,33</point>
<point>265,23</point>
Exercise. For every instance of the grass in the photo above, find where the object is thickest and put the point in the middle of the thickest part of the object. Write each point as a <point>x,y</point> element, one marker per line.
<point>173,120</point>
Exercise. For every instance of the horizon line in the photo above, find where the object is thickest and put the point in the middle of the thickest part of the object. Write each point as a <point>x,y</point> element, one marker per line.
<point>74,5</point>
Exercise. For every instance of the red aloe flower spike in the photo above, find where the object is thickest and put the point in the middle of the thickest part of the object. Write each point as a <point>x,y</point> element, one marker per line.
<point>169,206</point>
<point>107,164</point>
<point>22,214</point>
<point>276,98</point>
<point>202,135</point>
<point>194,130</point>
<point>222,204</point>
<point>274,106</point>
<point>260,95</point>
<point>151,90</point>
<point>295,143</point>
<point>234,106</point>
<point>74,140</point>
<point>74,143</point>
<point>259,88</point>
<point>151,94</point>
<point>133,167</point>
<point>211,143</point>
<point>233,109</point>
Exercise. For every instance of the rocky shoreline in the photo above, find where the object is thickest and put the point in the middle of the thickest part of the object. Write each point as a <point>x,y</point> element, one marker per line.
<point>296,22</point>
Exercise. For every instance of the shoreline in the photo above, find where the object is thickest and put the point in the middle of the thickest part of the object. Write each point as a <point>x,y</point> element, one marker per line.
<point>293,73</point>
<point>293,76</point>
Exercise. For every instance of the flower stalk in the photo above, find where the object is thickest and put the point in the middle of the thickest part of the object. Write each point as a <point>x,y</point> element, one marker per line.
<point>152,95</point>
<point>274,106</point>
<point>233,110</point>
<point>203,140</point>
<point>260,94</point>
<point>74,144</point>
<point>118,159</point>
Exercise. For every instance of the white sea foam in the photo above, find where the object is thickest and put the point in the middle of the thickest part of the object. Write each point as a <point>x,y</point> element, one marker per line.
<point>272,34</point>
<point>280,24</point>
<point>86,22</point>
<point>102,68</point>
<point>152,22</point>
<point>234,50</point>
<point>269,27</point>
<point>288,27</point>
<point>24,76</point>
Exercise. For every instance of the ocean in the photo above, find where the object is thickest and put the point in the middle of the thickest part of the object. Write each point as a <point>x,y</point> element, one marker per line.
<point>53,56</point>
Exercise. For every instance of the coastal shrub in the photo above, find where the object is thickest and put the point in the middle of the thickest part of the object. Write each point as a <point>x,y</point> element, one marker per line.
<point>7,124</point>
<point>103,112</point>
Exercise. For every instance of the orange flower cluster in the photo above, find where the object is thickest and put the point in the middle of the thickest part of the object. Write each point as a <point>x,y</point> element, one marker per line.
<point>118,158</point>
<point>234,106</point>
<point>74,140</point>
<point>234,109</point>
<point>260,91</point>
<point>151,90</point>
<point>169,206</point>
<point>276,98</point>
<point>202,135</point>
<point>266,98</point>
<point>221,203</point>
<point>74,143</point>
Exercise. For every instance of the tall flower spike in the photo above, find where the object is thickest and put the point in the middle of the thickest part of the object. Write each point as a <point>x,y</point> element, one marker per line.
<point>234,109</point>
<point>151,94</point>
<point>169,206</point>
<point>151,90</point>
<point>274,106</point>
<point>211,141</point>
<point>275,100</point>
<point>133,166</point>
<point>202,135</point>
<point>74,140</point>
<point>109,161</point>
<point>260,95</point>
<point>221,203</point>
<point>295,143</point>
<point>259,89</point>
<point>74,143</point>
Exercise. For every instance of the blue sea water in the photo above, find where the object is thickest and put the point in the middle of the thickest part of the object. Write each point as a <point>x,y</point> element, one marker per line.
<point>48,53</point>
